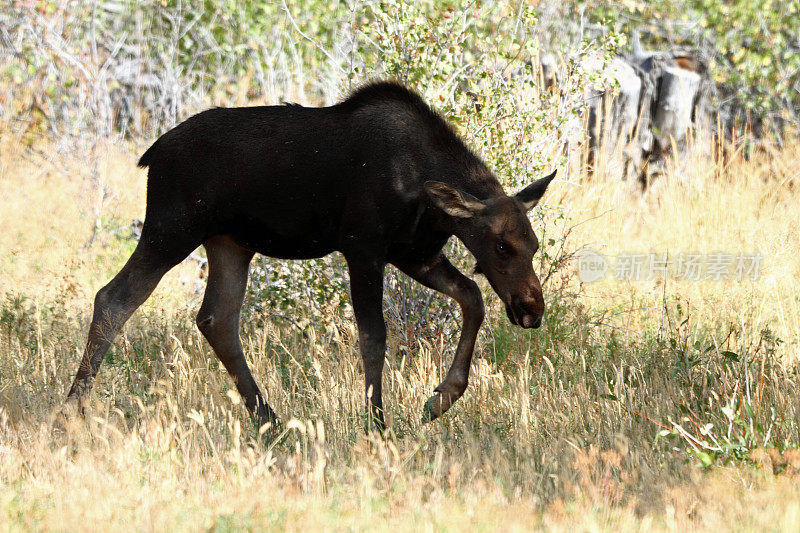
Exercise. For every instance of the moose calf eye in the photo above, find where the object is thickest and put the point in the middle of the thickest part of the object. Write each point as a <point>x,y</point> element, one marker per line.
<point>502,247</point>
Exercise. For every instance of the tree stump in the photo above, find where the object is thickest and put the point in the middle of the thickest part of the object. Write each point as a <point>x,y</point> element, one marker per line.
<point>674,111</point>
<point>613,118</point>
<point>660,98</point>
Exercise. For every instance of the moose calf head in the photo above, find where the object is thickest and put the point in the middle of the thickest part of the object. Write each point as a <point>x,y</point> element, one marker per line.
<point>498,233</point>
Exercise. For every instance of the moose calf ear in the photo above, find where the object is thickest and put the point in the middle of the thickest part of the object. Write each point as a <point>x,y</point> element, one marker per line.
<point>530,195</point>
<point>452,201</point>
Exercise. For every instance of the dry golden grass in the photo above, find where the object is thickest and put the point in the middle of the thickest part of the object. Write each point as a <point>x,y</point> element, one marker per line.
<point>535,442</point>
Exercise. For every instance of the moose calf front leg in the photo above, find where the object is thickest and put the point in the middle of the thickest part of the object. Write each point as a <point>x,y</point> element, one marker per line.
<point>366,287</point>
<point>440,275</point>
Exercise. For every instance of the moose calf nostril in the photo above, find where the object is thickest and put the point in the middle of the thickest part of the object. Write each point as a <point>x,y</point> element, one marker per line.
<point>529,321</point>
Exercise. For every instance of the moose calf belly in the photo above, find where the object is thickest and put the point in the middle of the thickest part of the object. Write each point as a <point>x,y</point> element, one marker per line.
<point>284,243</point>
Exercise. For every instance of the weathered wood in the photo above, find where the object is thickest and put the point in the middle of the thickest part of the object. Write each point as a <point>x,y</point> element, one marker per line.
<point>550,74</point>
<point>613,119</point>
<point>635,128</point>
<point>613,114</point>
<point>674,109</point>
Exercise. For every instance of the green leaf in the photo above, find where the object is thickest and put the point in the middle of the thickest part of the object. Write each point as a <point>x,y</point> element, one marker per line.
<point>705,459</point>
<point>731,356</point>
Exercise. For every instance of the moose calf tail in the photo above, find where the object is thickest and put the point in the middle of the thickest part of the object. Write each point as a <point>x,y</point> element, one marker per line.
<point>147,158</point>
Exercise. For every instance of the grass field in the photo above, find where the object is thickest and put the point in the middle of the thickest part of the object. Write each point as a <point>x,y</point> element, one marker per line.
<point>638,405</point>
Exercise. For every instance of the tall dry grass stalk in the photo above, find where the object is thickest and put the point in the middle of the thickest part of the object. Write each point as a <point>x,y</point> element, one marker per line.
<point>558,427</point>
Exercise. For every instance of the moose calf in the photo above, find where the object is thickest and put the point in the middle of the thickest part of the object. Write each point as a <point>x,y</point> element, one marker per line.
<point>379,177</point>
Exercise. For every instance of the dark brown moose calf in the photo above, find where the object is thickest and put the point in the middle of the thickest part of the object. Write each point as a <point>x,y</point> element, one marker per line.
<point>379,177</point>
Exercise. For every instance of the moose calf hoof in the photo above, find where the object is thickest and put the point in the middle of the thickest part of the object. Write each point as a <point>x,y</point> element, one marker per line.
<point>446,395</point>
<point>71,413</point>
<point>270,432</point>
<point>436,406</point>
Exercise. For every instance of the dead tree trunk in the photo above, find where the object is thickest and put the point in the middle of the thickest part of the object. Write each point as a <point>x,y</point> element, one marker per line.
<point>661,98</point>
<point>613,118</point>
<point>674,104</point>
<point>674,112</point>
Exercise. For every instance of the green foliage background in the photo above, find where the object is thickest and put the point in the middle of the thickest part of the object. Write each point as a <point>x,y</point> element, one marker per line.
<point>754,45</point>
<point>63,59</point>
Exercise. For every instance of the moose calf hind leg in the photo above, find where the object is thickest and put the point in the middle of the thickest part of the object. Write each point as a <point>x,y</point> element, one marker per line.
<point>113,306</point>
<point>218,319</point>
